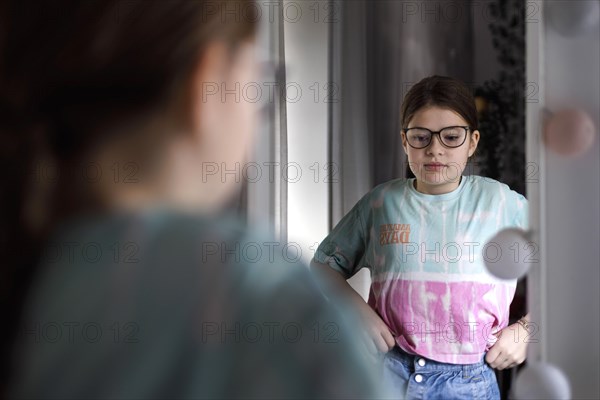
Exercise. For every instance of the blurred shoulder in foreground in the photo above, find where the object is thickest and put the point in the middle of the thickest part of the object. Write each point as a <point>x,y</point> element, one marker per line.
<point>172,305</point>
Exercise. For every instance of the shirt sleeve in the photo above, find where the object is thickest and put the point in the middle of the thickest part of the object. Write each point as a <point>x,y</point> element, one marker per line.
<point>345,247</point>
<point>521,218</point>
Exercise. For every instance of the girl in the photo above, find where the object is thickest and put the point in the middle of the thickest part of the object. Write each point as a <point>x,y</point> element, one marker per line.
<point>122,275</point>
<point>434,309</point>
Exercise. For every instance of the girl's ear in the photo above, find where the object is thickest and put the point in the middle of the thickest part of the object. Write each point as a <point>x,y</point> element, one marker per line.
<point>473,142</point>
<point>404,144</point>
<point>205,97</point>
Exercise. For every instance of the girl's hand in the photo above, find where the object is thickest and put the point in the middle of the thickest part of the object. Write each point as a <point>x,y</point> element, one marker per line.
<point>378,337</point>
<point>511,348</point>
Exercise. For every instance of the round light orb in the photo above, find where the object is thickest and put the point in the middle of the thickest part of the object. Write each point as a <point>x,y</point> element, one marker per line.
<point>508,254</point>
<point>571,18</point>
<point>569,132</point>
<point>539,380</point>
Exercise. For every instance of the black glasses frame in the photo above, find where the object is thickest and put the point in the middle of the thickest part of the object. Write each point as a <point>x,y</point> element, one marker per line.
<point>431,133</point>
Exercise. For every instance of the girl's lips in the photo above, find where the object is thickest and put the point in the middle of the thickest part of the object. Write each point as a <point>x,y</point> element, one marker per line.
<point>434,166</point>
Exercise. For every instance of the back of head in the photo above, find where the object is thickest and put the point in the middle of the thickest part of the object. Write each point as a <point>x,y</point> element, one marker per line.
<point>73,73</point>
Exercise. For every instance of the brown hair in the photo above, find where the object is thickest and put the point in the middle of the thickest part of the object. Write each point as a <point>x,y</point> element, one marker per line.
<point>440,91</point>
<point>69,72</point>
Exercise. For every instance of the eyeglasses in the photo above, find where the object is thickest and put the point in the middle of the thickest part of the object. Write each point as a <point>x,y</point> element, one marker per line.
<point>451,136</point>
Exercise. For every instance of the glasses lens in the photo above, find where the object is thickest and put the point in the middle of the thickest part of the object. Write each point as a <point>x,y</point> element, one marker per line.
<point>454,136</point>
<point>418,137</point>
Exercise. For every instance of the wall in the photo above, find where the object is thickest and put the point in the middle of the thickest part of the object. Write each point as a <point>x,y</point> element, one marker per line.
<point>572,214</point>
<point>306,33</point>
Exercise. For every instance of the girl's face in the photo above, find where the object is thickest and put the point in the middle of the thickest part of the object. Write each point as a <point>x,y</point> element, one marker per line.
<point>438,168</point>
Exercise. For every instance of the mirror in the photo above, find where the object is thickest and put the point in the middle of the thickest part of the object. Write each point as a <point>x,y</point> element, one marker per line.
<point>384,49</point>
<point>355,62</point>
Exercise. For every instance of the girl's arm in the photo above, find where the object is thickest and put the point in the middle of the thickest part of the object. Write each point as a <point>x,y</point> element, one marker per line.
<point>379,336</point>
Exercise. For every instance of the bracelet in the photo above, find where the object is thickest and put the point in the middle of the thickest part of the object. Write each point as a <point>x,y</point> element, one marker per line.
<point>524,323</point>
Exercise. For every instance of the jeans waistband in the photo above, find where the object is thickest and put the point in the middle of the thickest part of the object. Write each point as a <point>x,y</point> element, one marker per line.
<point>414,361</point>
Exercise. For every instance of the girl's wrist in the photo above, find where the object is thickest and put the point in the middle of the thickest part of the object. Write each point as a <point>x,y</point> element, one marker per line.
<point>524,322</point>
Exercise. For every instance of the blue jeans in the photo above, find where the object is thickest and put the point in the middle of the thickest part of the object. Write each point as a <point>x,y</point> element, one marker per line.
<point>414,377</point>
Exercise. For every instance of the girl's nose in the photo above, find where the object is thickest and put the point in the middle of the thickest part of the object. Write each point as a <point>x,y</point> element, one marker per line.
<point>435,146</point>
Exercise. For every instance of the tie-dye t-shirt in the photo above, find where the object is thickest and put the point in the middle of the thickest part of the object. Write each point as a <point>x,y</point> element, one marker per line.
<point>426,258</point>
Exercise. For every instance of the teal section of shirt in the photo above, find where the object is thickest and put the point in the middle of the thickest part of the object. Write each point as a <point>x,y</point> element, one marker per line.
<point>396,229</point>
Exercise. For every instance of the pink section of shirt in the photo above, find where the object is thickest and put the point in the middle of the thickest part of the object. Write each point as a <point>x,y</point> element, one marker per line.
<point>451,322</point>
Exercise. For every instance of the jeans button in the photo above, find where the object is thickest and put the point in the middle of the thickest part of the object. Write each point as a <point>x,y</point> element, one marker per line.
<point>419,378</point>
<point>421,362</point>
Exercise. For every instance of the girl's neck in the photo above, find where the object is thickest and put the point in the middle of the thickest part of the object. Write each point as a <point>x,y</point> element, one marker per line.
<point>424,188</point>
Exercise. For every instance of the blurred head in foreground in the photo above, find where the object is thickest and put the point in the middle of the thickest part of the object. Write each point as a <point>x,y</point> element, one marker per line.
<point>89,86</point>
<point>122,278</point>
